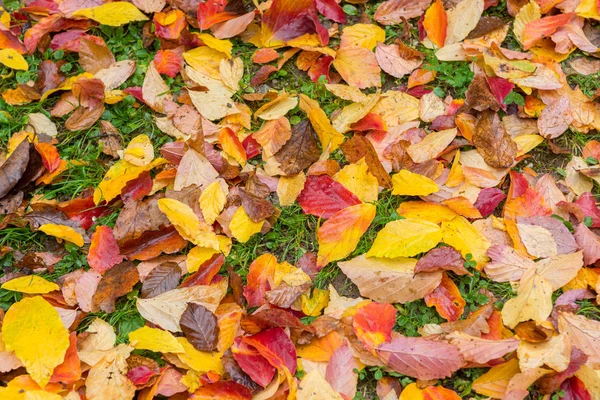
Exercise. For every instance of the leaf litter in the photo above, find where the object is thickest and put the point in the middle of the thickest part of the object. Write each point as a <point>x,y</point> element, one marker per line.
<point>413,150</point>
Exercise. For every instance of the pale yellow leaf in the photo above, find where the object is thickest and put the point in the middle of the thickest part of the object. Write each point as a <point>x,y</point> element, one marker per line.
<point>139,151</point>
<point>289,187</point>
<point>554,353</point>
<point>533,301</point>
<point>314,387</point>
<point>277,108</point>
<point>432,145</point>
<point>107,380</point>
<point>212,200</point>
<point>362,35</point>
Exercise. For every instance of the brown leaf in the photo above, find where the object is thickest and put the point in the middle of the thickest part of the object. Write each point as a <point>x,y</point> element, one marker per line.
<point>49,76</point>
<point>479,95</point>
<point>161,279</point>
<point>200,327</point>
<point>486,25</point>
<point>84,118</point>
<point>93,56</point>
<point>13,169</point>
<point>257,208</point>
<point>284,295</point>
<point>300,151</point>
<point>358,147</point>
<point>110,141</point>
<point>493,142</point>
<point>153,243</point>
<point>442,258</point>
<point>188,121</point>
<point>138,217</point>
<point>116,282</point>
<point>475,324</point>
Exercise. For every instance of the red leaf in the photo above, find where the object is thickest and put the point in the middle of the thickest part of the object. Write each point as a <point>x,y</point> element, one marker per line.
<point>331,10</point>
<point>373,324</point>
<point>276,347</point>
<point>320,67</point>
<point>104,251</point>
<point>488,200</point>
<point>252,362</point>
<point>548,384</point>
<point>575,389</point>
<point>500,87</point>
<point>167,27</point>
<point>587,202</point>
<point>439,393</point>
<point>447,300</point>
<point>262,75</point>
<point>289,19</point>
<point>421,358</point>
<point>212,12</point>
<point>543,27</point>
<point>83,211</point>
<point>323,197</point>
<point>151,244</point>
<point>371,121</point>
<point>137,188</point>
<point>140,375</point>
<point>260,273</point>
<point>222,390</point>
<point>168,62</point>
<point>52,23</point>
<point>251,147</point>
<point>442,258</point>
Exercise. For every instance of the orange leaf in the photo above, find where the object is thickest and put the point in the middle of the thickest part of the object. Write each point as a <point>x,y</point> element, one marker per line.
<point>49,154</point>
<point>373,324</point>
<point>262,56</point>
<point>168,62</point>
<point>447,300</point>
<point>544,27</point>
<point>70,370</point>
<point>104,251</point>
<point>435,23</point>
<point>232,145</point>
<point>439,393</point>
<point>358,66</point>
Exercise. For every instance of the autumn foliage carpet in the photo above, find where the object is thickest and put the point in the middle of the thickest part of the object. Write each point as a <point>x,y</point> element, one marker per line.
<point>299,199</point>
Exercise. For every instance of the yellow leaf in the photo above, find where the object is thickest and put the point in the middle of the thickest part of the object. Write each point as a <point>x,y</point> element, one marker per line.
<point>340,234</point>
<point>191,379</point>
<point>494,382</point>
<point>357,179</point>
<point>526,143</point>
<point>187,223</point>
<point>12,59</point>
<point>289,187</point>
<point>205,60</point>
<point>588,9</point>
<point>153,339</point>
<point>33,330</point>
<point>432,145</point>
<point>199,255</point>
<point>362,35</point>
<point>199,361</point>
<point>62,232</point>
<point>112,14</point>
<point>396,108</point>
<point>31,284</point>
<point>41,395</point>
<point>67,84</point>
<point>533,301</point>
<point>329,137</point>
<point>139,152</point>
<point>460,234</point>
<point>433,212</point>
<point>411,392</point>
<point>212,200</point>
<point>405,238</point>
<point>408,183</point>
<point>242,227</point>
<point>354,113</point>
<point>223,46</point>
<point>312,306</point>
<point>456,176</point>
<point>117,177</point>
<point>358,67</point>
<point>276,108</point>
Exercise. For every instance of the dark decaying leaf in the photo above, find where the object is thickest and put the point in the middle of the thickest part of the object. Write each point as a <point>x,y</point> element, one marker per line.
<point>300,151</point>
<point>12,170</point>
<point>200,327</point>
<point>116,282</point>
<point>493,142</point>
<point>137,217</point>
<point>153,243</point>
<point>161,279</point>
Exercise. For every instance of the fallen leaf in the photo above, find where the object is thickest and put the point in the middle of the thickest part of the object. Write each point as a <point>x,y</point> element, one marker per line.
<point>389,281</point>
<point>32,329</point>
<point>116,282</point>
<point>358,67</point>
<point>446,299</point>
<point>161,279</point>
<point>153,339</point>
<point>408,183</point>
<point>32,284</point>
<point>373,324</point>
<point>104,251</point>
<point>435,23</point>
<point>480,350</point>
<point>199,326</point>
<point>405,238</point>
<point>431,146</point>
<point>533,301</point>
<point>112,14</point>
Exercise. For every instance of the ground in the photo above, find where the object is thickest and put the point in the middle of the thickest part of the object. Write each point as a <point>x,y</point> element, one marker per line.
<point>294,232</point>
